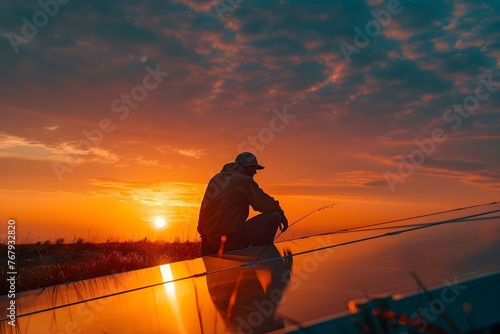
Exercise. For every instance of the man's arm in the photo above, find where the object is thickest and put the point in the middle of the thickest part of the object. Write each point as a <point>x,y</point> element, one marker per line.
<point>262,202</point>
<point>259,200</point>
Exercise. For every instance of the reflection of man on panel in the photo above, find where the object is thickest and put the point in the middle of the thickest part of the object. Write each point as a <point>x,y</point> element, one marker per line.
<point>247,298</point>
<point>225,207</point>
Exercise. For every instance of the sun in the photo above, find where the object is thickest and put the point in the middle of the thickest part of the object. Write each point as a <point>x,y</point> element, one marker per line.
<point>159,222</point>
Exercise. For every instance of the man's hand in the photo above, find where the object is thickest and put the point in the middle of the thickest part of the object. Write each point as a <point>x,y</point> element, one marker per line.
<point>284,223</point>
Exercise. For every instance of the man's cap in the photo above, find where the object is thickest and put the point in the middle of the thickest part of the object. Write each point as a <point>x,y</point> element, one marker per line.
<point>248,159</point>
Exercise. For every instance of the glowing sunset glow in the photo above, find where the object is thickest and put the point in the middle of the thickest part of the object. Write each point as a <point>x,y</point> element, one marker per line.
<point>159,222</point>
<point>115,129</point>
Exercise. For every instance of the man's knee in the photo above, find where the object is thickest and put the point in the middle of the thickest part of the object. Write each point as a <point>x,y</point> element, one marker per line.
<point>275,216</point>
<point>272,215</point>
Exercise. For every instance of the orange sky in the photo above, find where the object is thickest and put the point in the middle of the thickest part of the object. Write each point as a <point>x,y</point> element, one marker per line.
<point>110,121</point>
<point>105,206</point>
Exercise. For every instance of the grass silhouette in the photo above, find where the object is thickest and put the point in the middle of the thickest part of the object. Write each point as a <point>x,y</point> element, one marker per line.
<point>44,264</point>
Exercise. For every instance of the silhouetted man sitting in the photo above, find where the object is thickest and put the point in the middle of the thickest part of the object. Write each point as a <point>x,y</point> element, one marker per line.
<point>223,223</point>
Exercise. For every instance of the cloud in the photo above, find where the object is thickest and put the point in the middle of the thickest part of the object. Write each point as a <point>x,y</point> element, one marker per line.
<point>51,127</point>
<point>188,152</point>
<point>151,194</point>
<point>22,148</point>
<point>226,77</point>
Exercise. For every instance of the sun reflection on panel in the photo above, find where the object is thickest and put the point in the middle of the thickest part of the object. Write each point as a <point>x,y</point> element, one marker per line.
<point>166,275</point>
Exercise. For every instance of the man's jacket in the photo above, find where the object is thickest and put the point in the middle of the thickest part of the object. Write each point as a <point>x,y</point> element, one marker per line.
<point>225,206</point>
